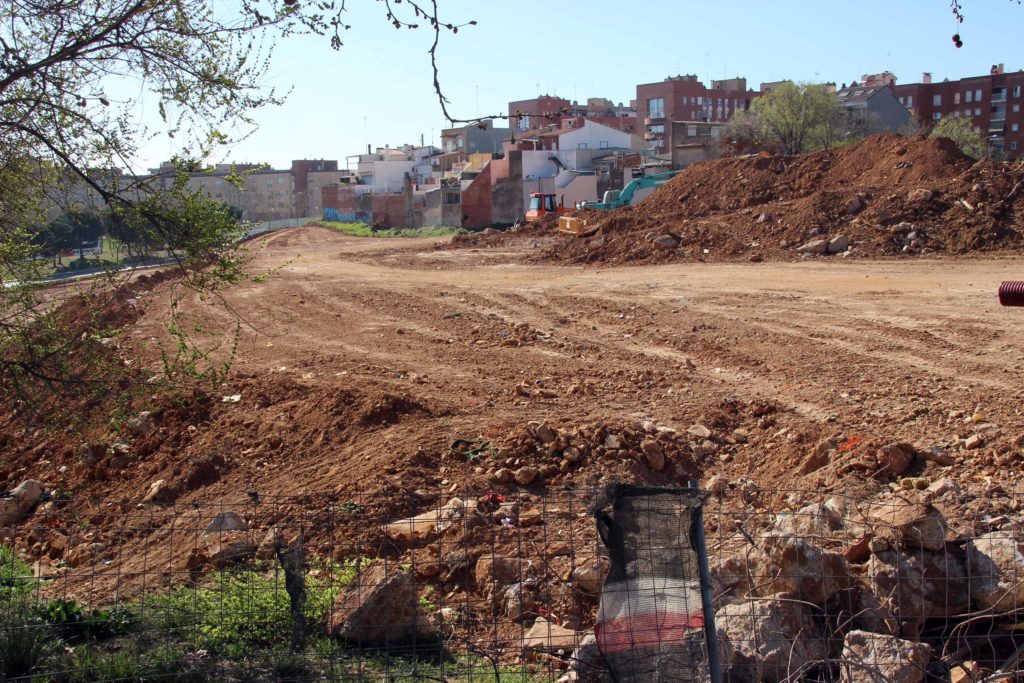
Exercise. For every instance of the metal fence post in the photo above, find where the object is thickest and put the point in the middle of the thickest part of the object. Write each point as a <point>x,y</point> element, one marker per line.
<point>710,635</point>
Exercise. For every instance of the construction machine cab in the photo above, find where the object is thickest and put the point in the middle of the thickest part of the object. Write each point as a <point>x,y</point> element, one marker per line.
<point>540,204</point>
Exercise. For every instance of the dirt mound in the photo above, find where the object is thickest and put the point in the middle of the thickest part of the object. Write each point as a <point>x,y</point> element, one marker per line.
<point>886,195</point>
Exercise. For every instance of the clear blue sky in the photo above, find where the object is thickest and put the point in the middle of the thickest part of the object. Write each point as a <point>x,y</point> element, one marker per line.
<point>377,89</point>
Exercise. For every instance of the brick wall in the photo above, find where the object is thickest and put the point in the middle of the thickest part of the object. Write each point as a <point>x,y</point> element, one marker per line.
<point>476,201</point>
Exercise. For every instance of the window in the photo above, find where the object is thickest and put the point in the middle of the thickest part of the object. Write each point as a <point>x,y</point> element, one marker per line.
<point>901,99</point>
<point>603,144</point>
<point>659,128</point>
<point>581,145</point>
<point>1016,108</point>
<point>956,98</point>
<point>1013,145</point>
<point>937,115</point>
<point>977,112</point>
<point>1014,127</point>
<point>686,100</point>
<point>977,96</point>
<point>910,100</point>
<point>1016,91</point>
<point>977,129</point>
<point>700,100</point>
<point>968,96</point>
<point>936,100</point>
<point>656,108</point>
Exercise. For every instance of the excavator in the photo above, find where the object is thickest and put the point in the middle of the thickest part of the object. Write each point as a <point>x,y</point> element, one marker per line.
<point>616,199</point>
<point>542,204</point>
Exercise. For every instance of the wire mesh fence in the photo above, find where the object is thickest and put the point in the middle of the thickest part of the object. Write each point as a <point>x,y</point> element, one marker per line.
<point>517,586</point>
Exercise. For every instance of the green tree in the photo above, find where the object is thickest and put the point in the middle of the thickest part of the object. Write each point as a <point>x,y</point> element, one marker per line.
<point>799,117</point>
<point>962,133</point>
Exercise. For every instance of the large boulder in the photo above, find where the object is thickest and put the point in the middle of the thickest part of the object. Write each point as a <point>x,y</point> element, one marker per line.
<point>770,639</point>
<point>20,501</point>
<point>812,521</point>
<point>379,608</point>
<point>919,584</point>
<point>547,636</point>
<point>996,564</point>
<point>877,658</point>
<point>789,564</point>
<point>914,524</point>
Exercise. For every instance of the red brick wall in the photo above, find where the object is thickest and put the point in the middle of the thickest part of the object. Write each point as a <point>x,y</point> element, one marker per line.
<point>476,201</point>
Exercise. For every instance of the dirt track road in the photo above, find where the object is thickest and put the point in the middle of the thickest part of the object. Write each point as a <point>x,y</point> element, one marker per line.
<point>877,350</point>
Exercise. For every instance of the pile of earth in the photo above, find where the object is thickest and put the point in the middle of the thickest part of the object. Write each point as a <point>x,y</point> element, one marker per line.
<point>886,195</point>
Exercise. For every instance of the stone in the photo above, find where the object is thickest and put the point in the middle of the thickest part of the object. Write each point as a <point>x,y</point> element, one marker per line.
<point>546,636</point>
<point>916,524</point>
<point>159,492</point>
<point>838,244</point>
<point>546,434</point>
<point>812,521</point>
<point>229,548</point>
<point>920,584</point>
<point>699,431</point>
<point>996,563</point>
<point>790,564</point>
<point>717,484</point>
<point>974,441</point>
<point>589,576</point>
<point>492,572</point>
<point>526,475</point>
<point>379,608</point>
<point>765,218</point>
<point>20,501</point>
<point>84,553</point>
<point>143,424</point>
<point>226,521</point>
<point>855,205</point>
<point>432,521</point>
<point>613,441</point>
<point>879,658</point>
<point>654,454</point>
<point>587,662</point>
<point>819,456</point>
<point>770,640</point>
<point>965,672</point>
<point>814,247</point>
<point>519,602</point>
<point>665,242</point>
<point>503,476</point>
<point>920,195</point>
<point>896,458</point>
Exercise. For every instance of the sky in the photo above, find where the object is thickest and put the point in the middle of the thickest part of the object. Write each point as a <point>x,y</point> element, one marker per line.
<point>378,89</point>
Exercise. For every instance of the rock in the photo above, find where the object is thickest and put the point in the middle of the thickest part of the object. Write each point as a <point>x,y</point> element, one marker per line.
<point>226,521</point>
<point>379,608</point>
<point>965,672</point>
<point>974,441</point>
<point>589,576</point>
<point>654,454</point>
<point>770,639</point>
<point>790,564</point>
<point>20,501</point>
<point>587,662</point>
<point>90,453</point>
<point>613,441</point>
<point>819,456</point>
<point>493,572</point>
<point>996,563</point>
<point>143,424</point>
<point>546,434</point>
<point>765,218</point>
<point>431,521</point>
<point>944,487</point>
<point>519,602</point>
<point>813,521</point>
<point>503,476</point>
<point>526,475</point>
<point>838,244</point>
<point>916,524</point>
<point>814,247</point>
<point>878,658</point>
<point>855,205</point>
<point>84,553</point>
<point>546,636</point>
<point>896,458</point>
<point>665,242</point>
<point>920,584</point>
<point>491,231</point>
<point>717,484</point>
<point>230,547</point>
<point>699,431</point>
<point>920,195</point>
<point>160,492</point>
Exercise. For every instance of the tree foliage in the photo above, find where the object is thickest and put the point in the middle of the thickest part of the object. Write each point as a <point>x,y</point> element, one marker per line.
<point>960,131</point>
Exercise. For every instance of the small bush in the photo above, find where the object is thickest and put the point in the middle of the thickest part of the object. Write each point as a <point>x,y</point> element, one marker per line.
<point>26,643</point>
<point>15,575</point>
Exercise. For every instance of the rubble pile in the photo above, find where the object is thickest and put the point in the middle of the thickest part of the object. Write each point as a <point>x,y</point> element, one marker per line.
<point>885,196</point>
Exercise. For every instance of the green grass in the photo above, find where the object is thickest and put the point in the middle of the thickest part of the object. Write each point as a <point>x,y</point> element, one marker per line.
<point>364,230</point>
<point>15,575</point>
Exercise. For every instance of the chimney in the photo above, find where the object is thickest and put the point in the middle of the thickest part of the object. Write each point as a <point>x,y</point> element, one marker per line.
<point>926,78</point>
<point>1002,67</point>
<point>368,148</point>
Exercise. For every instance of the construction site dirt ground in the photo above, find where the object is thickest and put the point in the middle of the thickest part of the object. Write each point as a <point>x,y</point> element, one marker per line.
<point>477,344</point>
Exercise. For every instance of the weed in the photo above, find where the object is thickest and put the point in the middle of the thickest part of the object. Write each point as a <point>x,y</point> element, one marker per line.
<point>15,575</point>
<point>364,230</point>
<point>24,645</point>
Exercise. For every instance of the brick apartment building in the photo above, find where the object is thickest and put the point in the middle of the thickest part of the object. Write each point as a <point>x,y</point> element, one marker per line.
<point>546,110</point>
<point>685,98</point>
<point>992,102</point>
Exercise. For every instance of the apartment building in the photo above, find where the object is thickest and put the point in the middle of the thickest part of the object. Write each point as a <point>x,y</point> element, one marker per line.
<point>992,102</point>
<point>546,110</point>
<point>685,98</point>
